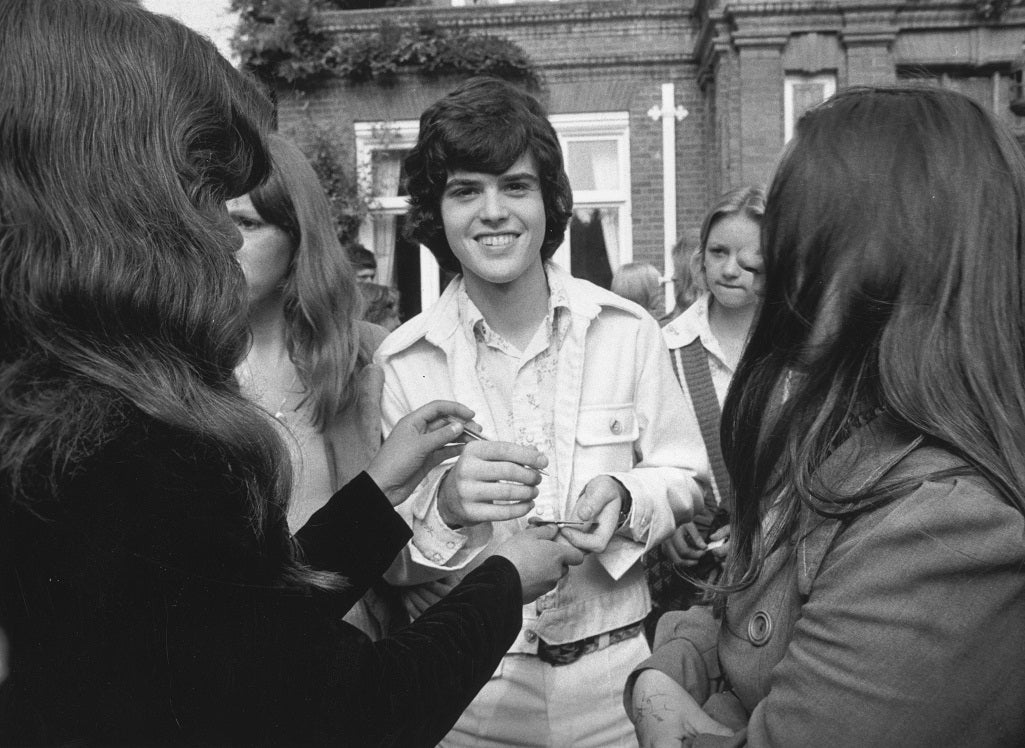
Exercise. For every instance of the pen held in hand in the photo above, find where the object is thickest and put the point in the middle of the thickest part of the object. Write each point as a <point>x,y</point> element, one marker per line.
<point>477,436</point>
<point>538,522</point>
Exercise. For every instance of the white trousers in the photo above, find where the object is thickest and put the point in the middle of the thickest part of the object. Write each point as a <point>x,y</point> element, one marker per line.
<point>531,703</point>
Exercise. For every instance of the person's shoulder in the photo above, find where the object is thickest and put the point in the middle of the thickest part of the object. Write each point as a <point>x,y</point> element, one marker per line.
<point>404,337</point>
<point>370,335</point>
<point>585,295</point>
<point>950,508</point>
<point>687,326</point>
<point>436,322</point>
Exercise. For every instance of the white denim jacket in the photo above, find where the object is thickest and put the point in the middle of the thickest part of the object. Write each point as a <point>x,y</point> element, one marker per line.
<point>618,411</point>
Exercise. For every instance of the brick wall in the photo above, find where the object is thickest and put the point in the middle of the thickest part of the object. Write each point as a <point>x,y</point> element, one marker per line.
<point>727,62</point>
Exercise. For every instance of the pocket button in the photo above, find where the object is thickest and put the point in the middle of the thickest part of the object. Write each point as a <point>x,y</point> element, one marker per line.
<point>616,427</point>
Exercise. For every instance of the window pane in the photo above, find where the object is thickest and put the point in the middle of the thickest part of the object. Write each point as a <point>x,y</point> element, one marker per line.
<point>594,244</point>
<point>807,95</point>
<point>386,168</point>
<point>593,164</point>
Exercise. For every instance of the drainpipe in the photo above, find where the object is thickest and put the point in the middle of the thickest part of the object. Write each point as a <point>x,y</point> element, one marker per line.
<point>670,115</point>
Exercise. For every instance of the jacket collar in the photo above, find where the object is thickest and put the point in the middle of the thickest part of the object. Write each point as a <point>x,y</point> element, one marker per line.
<point>440,323</point>
<point>693,323</point>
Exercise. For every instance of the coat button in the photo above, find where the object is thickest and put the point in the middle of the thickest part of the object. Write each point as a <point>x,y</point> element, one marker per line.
<point>616,427</point>
<point>530,636</point>
<point>759,628</point>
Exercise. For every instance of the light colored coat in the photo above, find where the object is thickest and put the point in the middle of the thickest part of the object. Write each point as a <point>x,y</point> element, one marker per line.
<point>618,411</point>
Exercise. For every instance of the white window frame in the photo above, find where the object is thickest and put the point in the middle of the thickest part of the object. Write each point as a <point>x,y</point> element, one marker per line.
<point>401,135</point>
<point>614,126</point>
<point>828,82</point>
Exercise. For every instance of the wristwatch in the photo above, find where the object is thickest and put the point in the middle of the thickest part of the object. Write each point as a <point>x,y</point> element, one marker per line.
<point>625,507</point>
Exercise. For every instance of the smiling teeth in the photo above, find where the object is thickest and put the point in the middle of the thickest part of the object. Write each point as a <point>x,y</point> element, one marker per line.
<point>501,240</point>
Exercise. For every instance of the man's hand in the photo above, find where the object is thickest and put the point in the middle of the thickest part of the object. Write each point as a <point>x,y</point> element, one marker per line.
<point>598,502</point>
<point>490,482</point>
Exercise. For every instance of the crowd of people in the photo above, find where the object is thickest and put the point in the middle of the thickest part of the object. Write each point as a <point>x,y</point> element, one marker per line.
<point>243,505</point>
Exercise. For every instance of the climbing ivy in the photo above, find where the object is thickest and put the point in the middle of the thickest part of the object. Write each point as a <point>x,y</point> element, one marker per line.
<point>431,51</point>
<point>284,43</point>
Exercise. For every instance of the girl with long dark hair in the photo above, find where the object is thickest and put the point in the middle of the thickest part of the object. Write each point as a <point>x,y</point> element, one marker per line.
<point>875,434</point>
<point>150,591</point>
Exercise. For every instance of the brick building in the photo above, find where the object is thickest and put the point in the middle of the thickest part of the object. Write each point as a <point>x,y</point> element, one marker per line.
<point>661,105</point>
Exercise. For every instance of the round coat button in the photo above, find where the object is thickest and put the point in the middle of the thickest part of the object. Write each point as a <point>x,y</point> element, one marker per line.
<point>759,628</point>
<point>530,636</point>
<point>616,427</point>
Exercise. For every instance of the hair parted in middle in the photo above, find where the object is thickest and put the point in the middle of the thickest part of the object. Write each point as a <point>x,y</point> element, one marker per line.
<point>888,286</point>
<point>484,125</point>
<point>746,201</point>
<point>322,305</point>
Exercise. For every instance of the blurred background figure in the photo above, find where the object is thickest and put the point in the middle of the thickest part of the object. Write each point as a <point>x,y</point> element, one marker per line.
<point>687,283</point>
<point>641,283</point>
<point>364,262</point>
<point>381,305</point>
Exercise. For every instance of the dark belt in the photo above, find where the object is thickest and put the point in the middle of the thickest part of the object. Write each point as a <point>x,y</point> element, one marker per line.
<point>564,654</point>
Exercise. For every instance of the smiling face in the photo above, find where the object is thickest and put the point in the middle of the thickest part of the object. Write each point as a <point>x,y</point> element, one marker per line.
<point>495,223</point>
<point>266,252</point>
<point>733,261</point>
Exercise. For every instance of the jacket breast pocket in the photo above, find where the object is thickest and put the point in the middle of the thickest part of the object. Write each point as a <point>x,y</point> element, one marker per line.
<point>605,438</point>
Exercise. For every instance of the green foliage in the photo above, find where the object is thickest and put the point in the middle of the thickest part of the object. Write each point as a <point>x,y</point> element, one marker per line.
<point>281,41</point>
<point>367,4</point>
<point>430,51</point>
<point>284,44</point>
<point>334,164</point>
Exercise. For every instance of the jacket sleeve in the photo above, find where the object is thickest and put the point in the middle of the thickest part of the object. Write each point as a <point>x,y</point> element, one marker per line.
<point>912,633</point>
<point>671,470</point>
<point>435,549</point>
<point>326,682</point>
<point>357,533</point>
<point>684,649</point>
<point>248,657</point>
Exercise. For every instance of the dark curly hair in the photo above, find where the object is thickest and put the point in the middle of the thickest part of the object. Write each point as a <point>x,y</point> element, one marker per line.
<point>484,125</point>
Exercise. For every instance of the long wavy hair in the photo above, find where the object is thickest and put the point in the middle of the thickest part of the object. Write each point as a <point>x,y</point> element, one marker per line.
<point>484,125</point>
<point>321,302</point>
<point>123,133</point>
<point>888,285</point>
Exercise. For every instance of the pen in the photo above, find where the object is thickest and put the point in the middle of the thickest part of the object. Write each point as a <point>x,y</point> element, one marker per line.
<point>538,522</point>
<point>477,436</point>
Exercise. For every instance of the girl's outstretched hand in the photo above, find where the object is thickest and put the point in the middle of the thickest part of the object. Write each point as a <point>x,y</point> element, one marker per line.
<point>419,441</point>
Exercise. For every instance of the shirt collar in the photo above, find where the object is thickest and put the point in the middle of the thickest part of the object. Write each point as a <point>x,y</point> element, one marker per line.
<point>475,326</point>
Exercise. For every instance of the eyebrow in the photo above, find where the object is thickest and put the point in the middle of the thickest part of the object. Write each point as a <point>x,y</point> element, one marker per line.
<point>523,176</point>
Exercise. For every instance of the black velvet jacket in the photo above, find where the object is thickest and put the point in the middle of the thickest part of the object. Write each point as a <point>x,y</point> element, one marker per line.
<point>142,609</point>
